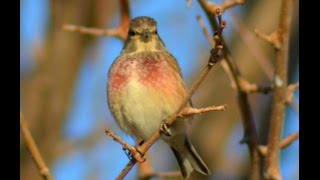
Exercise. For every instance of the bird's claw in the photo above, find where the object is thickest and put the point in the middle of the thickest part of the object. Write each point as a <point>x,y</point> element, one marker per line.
<point>134,154</point>
<point>164,128</point>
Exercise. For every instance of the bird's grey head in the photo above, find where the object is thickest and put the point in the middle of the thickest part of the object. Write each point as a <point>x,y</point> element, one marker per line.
<point>143,36</point>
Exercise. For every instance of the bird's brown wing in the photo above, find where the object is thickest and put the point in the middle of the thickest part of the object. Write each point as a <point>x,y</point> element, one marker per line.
<point>173,62</point>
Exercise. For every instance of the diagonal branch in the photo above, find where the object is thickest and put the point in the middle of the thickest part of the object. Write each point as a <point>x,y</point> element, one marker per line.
<point>119,32</point>
<point>212,61</point>
<point>273,38</point>
<point>192,111</point>
<point>254,88</point>
<point>34,151</point>
<point>133,151</point>
<point>250,132</point>
<point>283,144</point>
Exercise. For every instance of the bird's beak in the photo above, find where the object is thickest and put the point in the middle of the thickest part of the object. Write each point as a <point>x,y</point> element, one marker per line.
<point>146,36</point>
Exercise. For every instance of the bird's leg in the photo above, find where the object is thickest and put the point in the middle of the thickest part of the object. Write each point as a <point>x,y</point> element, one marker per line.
<point>164,128</point>
<point>140,142</point>
<point>127,152</point>
<point>134,153</point>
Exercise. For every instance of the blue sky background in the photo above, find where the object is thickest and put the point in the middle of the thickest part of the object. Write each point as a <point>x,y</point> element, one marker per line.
<point>89,110</point>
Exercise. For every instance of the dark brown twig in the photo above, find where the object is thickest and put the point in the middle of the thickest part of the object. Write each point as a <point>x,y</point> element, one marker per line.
<point>119,32</point>
<point>212,61</point>
<point>283,144</point>
<point>272,170</point>
<point>34,151</point>
<point>250,132</point>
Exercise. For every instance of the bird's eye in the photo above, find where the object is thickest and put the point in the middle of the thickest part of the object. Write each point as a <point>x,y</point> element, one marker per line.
<point>131,33</point>
<point>156,32</point>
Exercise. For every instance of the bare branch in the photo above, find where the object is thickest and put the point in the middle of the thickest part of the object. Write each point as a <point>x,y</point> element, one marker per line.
<point>283,144</point>
<point>212,7</point>
<point>91,31</point>
<point>212,43</point>
<point>205,31</point>
<point>250,132</point>
<point>119,32</point>
<point>273,38</point>
<point>133,150</point>
<point>254,88</point>
<point>290,90</point>
<point>228,4</point>
<point>272,170</point>
<point>213,59</point>
<point>34,151</point>
<point>192,111</point>
<point>252,45</point>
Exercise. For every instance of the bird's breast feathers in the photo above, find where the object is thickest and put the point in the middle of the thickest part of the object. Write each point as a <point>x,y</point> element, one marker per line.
<point>142,92</point>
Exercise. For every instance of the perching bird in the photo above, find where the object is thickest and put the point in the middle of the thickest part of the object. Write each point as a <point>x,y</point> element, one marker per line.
<point>145,86</point>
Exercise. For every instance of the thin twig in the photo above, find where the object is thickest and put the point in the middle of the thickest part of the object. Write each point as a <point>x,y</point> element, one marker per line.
<point>212,7</point>
<point>34,151</point>
<point>273,38</point>
<point>212,61</point>
<point>283,144</point>
<point>212,43</point>
<point>252,45</point>
<point>119,32</point>
<point>254,88</point>
<point>133,151</point>
<point>192,111</point>
<point>290,90</point>
<point>250,132</point>
<point>272,170</point>
<point>91,31</point>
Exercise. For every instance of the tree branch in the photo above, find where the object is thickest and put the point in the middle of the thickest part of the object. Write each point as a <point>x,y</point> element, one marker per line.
<point>212,43</point>
<point>119,32</point>
<point>250,132</point>
<point>34,151</point>
<point>212,7</point>
<point>273,38</point>
<point>133,151</point>
<point>254,88</point>
<point>283,144</point>
<point>272,170</point>
<point>192,111</point>
<point>290,90</point>
<point>212,61</point>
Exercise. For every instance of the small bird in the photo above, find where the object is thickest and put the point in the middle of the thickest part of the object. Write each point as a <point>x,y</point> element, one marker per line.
<point>145,86</point>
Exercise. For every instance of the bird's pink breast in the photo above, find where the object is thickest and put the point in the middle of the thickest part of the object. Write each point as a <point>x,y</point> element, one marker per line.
<point>148,71</point>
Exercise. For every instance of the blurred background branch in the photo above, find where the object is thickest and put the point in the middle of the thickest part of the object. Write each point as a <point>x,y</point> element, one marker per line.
<point>281,46</point>
<point>34,151</point>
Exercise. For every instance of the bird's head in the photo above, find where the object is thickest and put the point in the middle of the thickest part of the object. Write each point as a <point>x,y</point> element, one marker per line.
<point>143,36</point>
